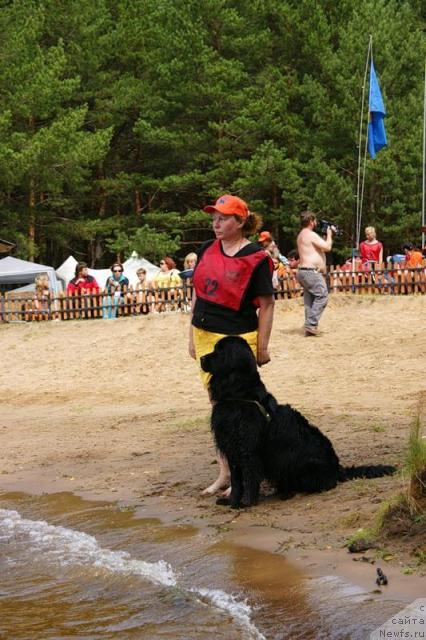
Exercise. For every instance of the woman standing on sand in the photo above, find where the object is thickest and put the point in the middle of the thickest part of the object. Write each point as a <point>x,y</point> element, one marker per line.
<point>233,293</point>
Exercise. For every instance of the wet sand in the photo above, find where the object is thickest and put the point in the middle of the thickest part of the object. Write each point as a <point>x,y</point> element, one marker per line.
<point>115,410</point>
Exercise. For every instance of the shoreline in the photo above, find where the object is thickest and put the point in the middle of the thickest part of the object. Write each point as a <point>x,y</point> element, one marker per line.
<point>311,562</point>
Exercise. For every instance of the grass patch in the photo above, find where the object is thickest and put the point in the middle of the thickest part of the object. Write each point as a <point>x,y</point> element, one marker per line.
<point>378,428</point>
<point>385,554</point>
<point>416,466</point>
<point>80,408</point>
<point>420,555</point>
<point>191,424</point>
<point>362,537</point>
<point>403,517</point>
<point>350,520</point>
<point>405,514</point>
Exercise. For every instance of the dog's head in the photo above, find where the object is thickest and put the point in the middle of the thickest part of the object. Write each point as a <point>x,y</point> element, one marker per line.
<point>230,355</point>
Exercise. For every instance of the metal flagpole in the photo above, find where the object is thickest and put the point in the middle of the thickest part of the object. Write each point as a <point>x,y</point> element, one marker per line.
<point>361,200</point>
<point>358,192</point>
<point>424,165</point>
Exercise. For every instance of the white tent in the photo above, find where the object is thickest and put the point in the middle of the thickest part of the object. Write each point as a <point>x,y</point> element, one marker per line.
<point>67,270</point>
<point>15,271</point>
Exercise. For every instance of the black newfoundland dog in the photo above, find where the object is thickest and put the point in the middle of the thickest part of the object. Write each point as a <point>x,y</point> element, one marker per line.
<point>264,439</point>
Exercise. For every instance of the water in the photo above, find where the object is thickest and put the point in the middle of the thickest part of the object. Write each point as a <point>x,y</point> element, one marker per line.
<point>72,568</point>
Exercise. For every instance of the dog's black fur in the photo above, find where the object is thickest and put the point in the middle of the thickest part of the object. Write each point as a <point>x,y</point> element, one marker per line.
<point>263,439</point>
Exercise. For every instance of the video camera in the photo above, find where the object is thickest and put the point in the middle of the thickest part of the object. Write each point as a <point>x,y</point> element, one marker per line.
<point>323,225</point>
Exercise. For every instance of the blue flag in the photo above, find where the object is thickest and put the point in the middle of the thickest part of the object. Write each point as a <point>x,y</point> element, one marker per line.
<point>376,126</point>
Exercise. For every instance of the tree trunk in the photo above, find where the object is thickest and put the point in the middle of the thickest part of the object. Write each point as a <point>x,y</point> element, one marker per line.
<point>95,248</point>
<point>31,206</point>
<point>138,202</point>
<point>32,221</point>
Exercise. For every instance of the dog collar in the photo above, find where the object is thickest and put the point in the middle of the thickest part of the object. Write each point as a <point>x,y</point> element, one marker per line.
<point>260,406</point>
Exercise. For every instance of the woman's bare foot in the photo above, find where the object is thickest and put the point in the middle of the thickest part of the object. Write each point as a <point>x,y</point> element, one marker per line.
<point>220,483</point>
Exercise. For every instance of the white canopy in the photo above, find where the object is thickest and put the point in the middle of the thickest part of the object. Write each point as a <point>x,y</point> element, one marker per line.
<point>67,270</point>
<point>15,271</point>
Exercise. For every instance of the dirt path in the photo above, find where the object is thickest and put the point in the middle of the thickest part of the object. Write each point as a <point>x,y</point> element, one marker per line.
<point>116,409</point>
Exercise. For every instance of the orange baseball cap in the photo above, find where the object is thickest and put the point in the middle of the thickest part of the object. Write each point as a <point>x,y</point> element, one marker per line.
<point>228,206</point>
<point>265,235</point>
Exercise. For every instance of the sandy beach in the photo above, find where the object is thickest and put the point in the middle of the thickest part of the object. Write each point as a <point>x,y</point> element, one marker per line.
<point>116,410</point>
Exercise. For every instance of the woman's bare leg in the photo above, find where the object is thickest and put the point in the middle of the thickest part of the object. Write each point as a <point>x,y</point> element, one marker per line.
<point>224,479</point>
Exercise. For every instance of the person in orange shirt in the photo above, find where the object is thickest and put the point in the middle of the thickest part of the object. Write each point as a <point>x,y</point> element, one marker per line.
<point>413,256</point>
<point>278,273</point>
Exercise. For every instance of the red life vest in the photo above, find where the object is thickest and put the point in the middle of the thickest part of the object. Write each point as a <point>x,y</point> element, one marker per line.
<point>225,279</point>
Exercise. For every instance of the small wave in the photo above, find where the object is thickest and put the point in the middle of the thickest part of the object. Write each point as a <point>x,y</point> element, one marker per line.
<point>67,547</point>
<point>240,611</point>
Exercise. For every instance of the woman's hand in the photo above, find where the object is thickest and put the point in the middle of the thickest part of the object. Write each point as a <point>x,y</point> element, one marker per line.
<point>263,357</point>
<point>191,350</point>
<point>266,312</point>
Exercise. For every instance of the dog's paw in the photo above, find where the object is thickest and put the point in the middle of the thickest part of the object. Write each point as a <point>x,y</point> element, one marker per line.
<point>287,495</point>
<point>224,502</point>
<point>246,504</point>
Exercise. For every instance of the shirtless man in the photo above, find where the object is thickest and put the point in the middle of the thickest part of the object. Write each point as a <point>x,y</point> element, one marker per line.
<point>311,271</point>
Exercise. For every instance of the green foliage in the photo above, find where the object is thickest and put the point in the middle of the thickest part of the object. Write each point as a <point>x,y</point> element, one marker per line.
<point>416,454</point>
<point>120,119</point>
<point>146,242</point>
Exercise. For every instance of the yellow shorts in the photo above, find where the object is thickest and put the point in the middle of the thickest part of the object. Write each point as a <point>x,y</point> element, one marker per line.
<point>204,342</point>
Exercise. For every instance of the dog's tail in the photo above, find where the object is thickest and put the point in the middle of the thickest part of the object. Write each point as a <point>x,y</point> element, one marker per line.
<point>365,471</point>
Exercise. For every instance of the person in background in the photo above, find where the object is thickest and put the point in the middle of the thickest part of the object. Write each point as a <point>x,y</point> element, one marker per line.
<point>188,266</point>
<point>142,297</point>
<point>82,282</point>
<point>186,275</point>
<point>233,294</point>
<point>41,297</point>
<point>278,273</point>
<point>312,268</point>
<point>165,283</point>
<point>413,256</point>
<point>396,260</point>
<point>293,259</point>
<point>371,250</point>
<point>267,242</point>
<point>293,263</point>
<point>117,288</point>
<point>352,264</point>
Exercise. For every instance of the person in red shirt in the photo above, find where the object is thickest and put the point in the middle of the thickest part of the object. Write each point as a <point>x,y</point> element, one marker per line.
<point>82,280</point>
<point>371,250</point>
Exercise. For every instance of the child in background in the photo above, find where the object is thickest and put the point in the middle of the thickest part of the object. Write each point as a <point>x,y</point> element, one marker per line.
<point>41,296</point>
<point>278,273</point>
<point>188,266</point>
<point>186,275</point>
<point>413,256</point>
<point>141,293</point>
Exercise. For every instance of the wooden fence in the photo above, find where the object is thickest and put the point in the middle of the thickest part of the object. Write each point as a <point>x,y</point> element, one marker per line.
<point>88,304</point>
<point>25,307</point>
<point>381,281</point>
